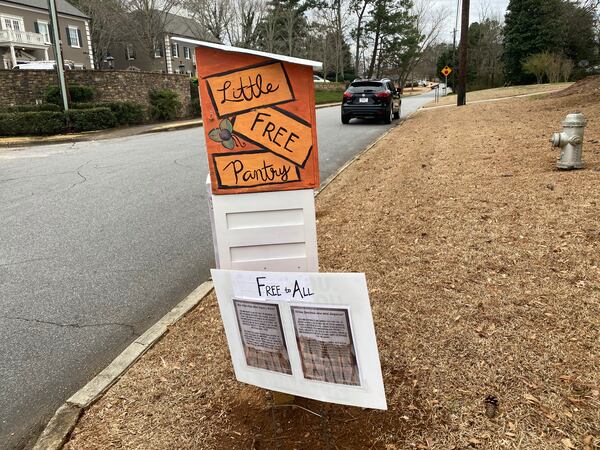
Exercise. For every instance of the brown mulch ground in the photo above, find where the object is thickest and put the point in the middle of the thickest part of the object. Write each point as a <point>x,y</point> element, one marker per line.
<point>483,267</point>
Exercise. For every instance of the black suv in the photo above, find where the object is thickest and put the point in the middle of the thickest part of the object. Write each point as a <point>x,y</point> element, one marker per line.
<point>371,99</point>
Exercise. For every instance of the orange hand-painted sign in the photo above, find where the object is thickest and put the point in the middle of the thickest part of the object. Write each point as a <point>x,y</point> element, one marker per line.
<point>253,169</point>
<point>279,131</point>
<point>242,90</point>
<point>259,122</point>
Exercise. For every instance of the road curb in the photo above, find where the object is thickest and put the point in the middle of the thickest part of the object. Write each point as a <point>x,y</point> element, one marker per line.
<point>66,417</point>
<point>174,127</point>
<point>59,428</point>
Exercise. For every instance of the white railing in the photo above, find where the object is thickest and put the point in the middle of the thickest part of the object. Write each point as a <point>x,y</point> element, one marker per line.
<point>21,37</point>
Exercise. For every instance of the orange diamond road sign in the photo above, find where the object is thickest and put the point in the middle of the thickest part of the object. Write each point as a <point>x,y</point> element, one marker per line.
<point>446,71</point>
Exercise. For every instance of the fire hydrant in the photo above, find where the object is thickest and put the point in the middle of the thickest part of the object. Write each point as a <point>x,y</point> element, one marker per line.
<point>570,142</point>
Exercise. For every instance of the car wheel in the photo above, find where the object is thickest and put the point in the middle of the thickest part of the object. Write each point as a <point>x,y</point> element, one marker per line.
<point>388,119</point>
<point>345,119</point>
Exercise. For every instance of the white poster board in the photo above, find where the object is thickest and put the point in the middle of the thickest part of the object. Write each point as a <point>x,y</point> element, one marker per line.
<point>305,334</point>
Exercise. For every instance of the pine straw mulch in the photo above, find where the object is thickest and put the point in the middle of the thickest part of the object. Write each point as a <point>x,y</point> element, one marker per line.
<point>483,267</point>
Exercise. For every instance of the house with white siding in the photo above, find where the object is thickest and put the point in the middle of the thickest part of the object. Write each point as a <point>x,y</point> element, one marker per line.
<point>26,34</point>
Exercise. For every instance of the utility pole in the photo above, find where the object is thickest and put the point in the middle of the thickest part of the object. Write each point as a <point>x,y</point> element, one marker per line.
<point>461,91</point>
<point>60,68</point>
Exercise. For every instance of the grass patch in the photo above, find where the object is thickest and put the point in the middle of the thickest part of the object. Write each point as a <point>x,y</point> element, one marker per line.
<point>322,97</point>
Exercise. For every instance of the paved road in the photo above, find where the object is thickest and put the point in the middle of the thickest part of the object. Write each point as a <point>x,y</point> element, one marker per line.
<point>97,241</point>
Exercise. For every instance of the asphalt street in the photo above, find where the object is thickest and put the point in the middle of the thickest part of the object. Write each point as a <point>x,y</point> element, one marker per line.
<point>100,239</point>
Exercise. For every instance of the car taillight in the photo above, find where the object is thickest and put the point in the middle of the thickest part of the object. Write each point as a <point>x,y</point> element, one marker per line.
<point>384,94</point>
<point>347,95</point>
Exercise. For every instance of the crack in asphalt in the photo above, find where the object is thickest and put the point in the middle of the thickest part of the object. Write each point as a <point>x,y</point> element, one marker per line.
<point>177,163</point>
<point>78,171</point>
<point>28,177</point>
<point>131,328</point>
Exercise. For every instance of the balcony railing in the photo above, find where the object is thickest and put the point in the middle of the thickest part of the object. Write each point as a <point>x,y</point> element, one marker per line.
<point>22,38</point>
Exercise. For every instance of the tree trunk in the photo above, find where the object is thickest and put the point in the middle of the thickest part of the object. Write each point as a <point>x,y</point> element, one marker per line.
<point>375,51</point>
<point>358,35</point>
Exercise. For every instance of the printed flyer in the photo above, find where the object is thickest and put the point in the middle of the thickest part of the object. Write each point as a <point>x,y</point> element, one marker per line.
<point>305,334</point>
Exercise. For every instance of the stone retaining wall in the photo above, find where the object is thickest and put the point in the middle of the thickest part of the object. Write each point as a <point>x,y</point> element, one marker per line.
<point>24,87</point>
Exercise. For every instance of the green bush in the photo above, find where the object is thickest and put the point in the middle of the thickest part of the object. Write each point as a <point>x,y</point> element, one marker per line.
<point>87,105</point>
<point>27,123</point>
<point>30,108</point>
<point>77,94</point>
<point>126,113</point>
<point>164,104</point>
<point>91,119</point>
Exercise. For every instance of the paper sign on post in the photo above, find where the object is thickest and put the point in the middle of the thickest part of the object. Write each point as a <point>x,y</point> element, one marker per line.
<point>305,334</point>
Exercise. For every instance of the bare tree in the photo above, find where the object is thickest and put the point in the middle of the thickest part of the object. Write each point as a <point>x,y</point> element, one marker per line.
<point>553,68</point>
<point>359,8</point>
<point>269,29</point>
<point>566,69</point>
<point>429,23</point>
<point>147,21</point>
<point>536,65</point>
<point>213,15</point>
<point>334,18</point>
<point>106,25</point>
<point>246,16</point>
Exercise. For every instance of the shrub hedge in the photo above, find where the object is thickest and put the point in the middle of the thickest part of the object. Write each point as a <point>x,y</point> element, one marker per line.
<point>91,119</point>
<point>77,93</point>
<point>164,104</point>
<point>30,108</point>
<point>38,123</point>
<point>126,113</point>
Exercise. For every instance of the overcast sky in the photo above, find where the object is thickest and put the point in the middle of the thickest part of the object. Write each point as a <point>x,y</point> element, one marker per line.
<point>490,7</point>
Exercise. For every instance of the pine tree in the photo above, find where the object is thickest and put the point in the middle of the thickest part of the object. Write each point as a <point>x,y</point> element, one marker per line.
<point>531,26</point>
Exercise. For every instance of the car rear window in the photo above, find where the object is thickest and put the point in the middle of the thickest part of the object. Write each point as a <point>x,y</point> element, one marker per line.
<point>366,86</point>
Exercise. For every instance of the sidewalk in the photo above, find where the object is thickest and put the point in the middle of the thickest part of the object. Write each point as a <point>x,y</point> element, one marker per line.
<point>23,141</point>
<point>502,93</point>
<point>482,264</point>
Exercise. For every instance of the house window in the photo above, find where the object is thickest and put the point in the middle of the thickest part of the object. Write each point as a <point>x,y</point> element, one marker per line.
<point>44,30</point>
<point>129,52</point>
<point>158,51</point>
<point>186,53</point>
<point>12,23</point>
<point>175,50</point>
<point>73,37</point>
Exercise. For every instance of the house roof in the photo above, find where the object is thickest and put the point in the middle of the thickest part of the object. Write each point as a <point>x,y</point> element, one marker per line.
<point>62,6</point>
<point>227,48</point>
<point>183,26</point>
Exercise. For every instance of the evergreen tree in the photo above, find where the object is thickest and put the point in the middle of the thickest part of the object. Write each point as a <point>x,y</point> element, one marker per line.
<point>531,26</point>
